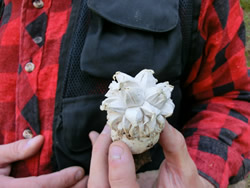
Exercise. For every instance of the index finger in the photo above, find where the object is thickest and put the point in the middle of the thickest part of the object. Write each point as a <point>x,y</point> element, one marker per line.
<point>98,175</point>
<point>65,178</point>
<point>20,150</point>
<point>174,147</point>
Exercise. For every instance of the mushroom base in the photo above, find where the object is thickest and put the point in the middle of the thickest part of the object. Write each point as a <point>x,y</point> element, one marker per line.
<point>136,145</point>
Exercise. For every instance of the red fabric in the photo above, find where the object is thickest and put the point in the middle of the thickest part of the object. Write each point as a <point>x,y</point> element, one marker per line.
<point>16,49</point>
<point>225,109</point>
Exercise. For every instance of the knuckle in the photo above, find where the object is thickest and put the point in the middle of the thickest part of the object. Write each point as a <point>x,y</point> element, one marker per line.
<point>180,140</point>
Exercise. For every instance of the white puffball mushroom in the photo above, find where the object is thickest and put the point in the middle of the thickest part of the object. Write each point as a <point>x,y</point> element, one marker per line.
<point>137,108</point>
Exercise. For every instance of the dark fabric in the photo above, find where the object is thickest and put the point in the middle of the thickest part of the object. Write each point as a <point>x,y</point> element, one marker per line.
<point>1,8</point>
<point>194,42</point>
<point>238,115</point>
<point>143,15</point>
<point>87,78</point>
<point>244,169</point>
<point>30,112</point>
<point>206,144</point>
<point>220,59</point>
<point>222,9</point>
<point>7,12</point>
<point>138,49</point>
<point>79,96</point>
<point>77,82</point>
<point>186,12</point>
<point>37,28</point>
<point>242,33</point>
<point>223,88</point>
<point>60,159</point>
<point>227,136</point>
<point>79,117</point>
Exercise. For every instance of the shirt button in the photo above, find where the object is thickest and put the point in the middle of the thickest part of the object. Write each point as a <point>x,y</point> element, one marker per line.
<point>29,67</point>
<point>38,3</point>
<point>37,40</point>
<point>27,133</point>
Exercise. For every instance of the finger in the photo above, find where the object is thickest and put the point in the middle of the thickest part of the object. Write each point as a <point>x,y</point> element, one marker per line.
<point>7,181</point>
<point>20,150</point>
<point>64,178</point>
<point>5,171</point>
<point>93,137</point>
<point>98,176</point>
<point>174,147</point>
<point>121,166</point>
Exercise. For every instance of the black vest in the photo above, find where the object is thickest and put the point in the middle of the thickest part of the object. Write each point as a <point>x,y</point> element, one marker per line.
<point>108,36</point>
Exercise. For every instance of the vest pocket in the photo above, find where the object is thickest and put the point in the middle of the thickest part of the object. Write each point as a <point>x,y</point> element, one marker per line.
<point>129,36</point>
<point>81,115</point>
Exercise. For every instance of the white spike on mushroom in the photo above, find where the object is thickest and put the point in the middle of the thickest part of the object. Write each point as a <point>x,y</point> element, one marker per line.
<point>137,108</point>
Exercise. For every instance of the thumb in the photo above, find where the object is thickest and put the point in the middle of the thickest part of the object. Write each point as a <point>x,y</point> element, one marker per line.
<point>174,147</point>
<point>20,150</point>
<point>121,166</point>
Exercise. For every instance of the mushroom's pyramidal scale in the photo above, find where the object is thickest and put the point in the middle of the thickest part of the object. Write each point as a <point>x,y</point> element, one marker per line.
<point>137,108</point>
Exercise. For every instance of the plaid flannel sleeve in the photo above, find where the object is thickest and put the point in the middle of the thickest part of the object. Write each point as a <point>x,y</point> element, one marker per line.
<point>218,134</point>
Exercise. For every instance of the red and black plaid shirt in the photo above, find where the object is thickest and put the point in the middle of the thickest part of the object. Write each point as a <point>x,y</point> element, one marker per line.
<point>25,95</point>
<point>217,136</point>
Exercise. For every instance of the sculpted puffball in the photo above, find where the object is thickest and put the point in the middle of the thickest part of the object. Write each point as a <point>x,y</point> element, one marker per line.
<point>137,108</point>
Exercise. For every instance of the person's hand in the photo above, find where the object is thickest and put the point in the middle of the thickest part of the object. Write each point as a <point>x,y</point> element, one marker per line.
<point>178,169</point>
<point>112,164</point>
<point>23,149</point>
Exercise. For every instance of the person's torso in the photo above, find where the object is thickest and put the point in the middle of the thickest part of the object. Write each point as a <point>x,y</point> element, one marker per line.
<point>90,43</point>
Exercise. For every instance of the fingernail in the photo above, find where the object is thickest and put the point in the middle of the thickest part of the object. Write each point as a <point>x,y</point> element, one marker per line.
<point>79,175</point>
<point>116,152</point>
<point>106,130</point>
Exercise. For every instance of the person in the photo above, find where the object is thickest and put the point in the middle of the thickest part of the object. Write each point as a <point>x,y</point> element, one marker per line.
<point>58,58</point>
